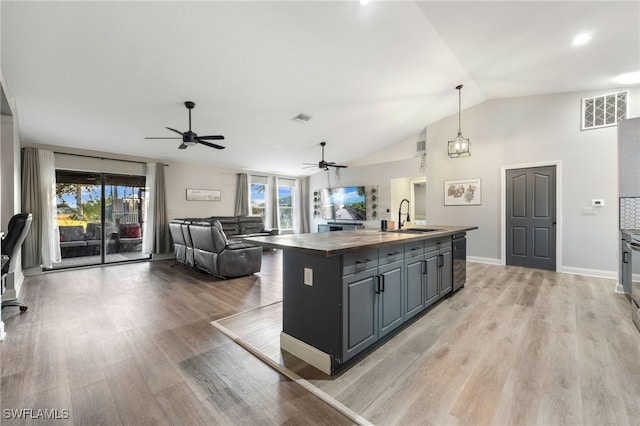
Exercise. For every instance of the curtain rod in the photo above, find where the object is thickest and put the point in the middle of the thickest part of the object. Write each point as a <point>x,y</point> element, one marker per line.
<point>103,158</point>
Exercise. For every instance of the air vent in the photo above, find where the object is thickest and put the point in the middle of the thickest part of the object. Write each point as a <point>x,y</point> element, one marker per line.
<point>421,146</point>
<point>604,111</point>
<point>302,118</point>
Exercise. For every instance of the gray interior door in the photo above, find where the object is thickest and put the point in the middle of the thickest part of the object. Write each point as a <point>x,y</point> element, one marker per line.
<point>531,217</point>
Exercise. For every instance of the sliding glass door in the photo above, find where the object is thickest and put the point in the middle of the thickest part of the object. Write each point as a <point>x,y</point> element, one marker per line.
<point>100,217</point>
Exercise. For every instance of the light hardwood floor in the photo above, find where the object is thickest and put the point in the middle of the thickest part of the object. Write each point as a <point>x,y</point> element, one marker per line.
<point>133,344</point>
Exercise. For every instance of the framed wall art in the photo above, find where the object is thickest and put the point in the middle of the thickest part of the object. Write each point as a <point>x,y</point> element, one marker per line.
<point>463,192</point>
<point>203,195</point>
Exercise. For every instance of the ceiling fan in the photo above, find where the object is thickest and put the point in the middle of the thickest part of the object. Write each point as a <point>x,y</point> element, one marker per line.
<point>190,138</point>
<point>324,165</point>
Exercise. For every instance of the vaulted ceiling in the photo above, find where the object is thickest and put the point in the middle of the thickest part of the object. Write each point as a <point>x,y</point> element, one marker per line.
<point>104,75</point>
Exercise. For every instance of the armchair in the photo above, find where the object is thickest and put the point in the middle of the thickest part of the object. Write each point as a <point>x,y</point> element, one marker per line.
<point>214,254</point>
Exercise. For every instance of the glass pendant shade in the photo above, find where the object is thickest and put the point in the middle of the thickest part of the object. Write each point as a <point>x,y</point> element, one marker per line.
<point>460,146</point>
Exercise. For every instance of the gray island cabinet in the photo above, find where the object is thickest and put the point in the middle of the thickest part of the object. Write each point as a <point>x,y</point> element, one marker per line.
<point>344,291</point>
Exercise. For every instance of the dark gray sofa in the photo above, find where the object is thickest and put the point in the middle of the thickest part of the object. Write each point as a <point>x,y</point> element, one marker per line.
<point>238,227</point>
<point>203,244</point>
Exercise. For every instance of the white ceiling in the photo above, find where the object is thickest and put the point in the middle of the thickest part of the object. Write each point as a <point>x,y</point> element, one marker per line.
<point>103,75</point>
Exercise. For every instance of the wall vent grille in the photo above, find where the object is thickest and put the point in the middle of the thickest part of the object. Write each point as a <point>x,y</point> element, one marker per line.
<point>604,111</point>
<point>421,146</point>
<point>302,118</point>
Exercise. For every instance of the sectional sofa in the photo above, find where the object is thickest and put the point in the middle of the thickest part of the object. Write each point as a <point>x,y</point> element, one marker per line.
<point>214,245</point>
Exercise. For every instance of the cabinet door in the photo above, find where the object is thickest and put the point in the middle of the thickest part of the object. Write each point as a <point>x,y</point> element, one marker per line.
<point>360,313</point>
<point>432,289</point>
<point>390,297</point>
<point>446,271</point>
<point>413,288</point>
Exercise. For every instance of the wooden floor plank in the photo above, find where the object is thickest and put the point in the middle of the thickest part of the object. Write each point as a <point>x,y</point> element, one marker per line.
<point>133,344</point>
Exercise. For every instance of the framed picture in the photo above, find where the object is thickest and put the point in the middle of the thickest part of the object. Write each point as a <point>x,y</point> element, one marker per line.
<point>463,192</point>
<point>203,195</point>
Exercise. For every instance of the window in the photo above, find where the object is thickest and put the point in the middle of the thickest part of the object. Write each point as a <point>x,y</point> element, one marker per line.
<point>258,196</point>
<point>604,111</point>
<point>100,217</point>
<point>285,206</point>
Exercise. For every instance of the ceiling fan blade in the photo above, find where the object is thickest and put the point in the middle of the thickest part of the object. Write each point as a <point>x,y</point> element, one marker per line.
<point>160,138</point>
<point>338,166</point>
<point>310,164</point>
<point>174,130</point>
<point>214,137</point>
<point>182,146</point>
<point>212,145</point>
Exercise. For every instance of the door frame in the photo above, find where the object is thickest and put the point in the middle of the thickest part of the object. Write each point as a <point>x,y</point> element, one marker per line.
<point>503,207</point>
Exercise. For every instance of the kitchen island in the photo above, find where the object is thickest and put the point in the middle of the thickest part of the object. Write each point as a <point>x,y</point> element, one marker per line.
<point>344,291</point>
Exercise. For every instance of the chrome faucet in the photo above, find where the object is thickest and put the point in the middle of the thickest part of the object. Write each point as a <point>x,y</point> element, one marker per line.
<point>400,222</point>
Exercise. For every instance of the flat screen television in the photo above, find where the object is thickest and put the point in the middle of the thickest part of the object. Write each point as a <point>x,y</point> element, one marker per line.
<point>344,203</point>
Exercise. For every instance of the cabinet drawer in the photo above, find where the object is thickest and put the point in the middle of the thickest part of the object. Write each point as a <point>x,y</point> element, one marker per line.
<point>437,244</point>
<point>413,249</point>
<point>390,254</point>
<point>359,261</point>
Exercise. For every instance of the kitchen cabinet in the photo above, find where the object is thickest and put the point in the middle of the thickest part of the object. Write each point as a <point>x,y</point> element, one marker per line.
<point>372,299</point>
<point>415,279</point>
<point>438,271</point>
<point>344,291</point>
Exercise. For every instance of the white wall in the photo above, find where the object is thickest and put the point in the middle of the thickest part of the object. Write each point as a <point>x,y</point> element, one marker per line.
<point>517,131</point>
<point>180,176</point>
<point>368,175</point>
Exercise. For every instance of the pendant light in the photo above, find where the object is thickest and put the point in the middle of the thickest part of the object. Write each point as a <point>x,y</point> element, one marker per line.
<point>459,147</point>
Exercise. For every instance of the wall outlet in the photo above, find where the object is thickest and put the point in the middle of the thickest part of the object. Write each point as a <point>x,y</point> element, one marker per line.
<point>597,202</point>
<point>308,276</point>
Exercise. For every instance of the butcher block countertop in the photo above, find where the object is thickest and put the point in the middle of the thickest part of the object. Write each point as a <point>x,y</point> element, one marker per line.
<point>339,242</point>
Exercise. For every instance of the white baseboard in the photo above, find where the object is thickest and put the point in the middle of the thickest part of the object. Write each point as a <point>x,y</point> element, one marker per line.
<point>2,333</point>
<point>599,273</point>
<point>12,290</point>
<point>620,289</point>
<point>306,352</point>
<point>487,260</point>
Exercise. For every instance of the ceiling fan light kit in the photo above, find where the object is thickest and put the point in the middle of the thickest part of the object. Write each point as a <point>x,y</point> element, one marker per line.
<point>190,138</point>
<point>460,146</point>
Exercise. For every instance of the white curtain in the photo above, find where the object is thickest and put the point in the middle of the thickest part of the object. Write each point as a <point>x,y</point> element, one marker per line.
<point>148,234</point>
<point>50,236</point>
<point>272,203</point>
<point>300,207</point>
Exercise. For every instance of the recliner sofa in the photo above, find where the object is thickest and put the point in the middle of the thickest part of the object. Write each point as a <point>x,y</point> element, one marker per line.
<point>203,244</point>
<point>238,227</point>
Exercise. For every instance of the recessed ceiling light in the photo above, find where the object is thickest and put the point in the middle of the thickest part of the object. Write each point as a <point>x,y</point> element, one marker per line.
<point>629,78</point>
<point>363,2</point>
<point>581,39</point>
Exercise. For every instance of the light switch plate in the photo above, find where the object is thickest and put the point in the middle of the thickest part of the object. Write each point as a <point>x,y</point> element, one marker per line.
<point>597,202</point>
<point>308,276</point>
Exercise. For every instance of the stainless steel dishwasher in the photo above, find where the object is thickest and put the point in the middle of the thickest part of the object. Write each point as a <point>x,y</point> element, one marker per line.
<point>459,248</point>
